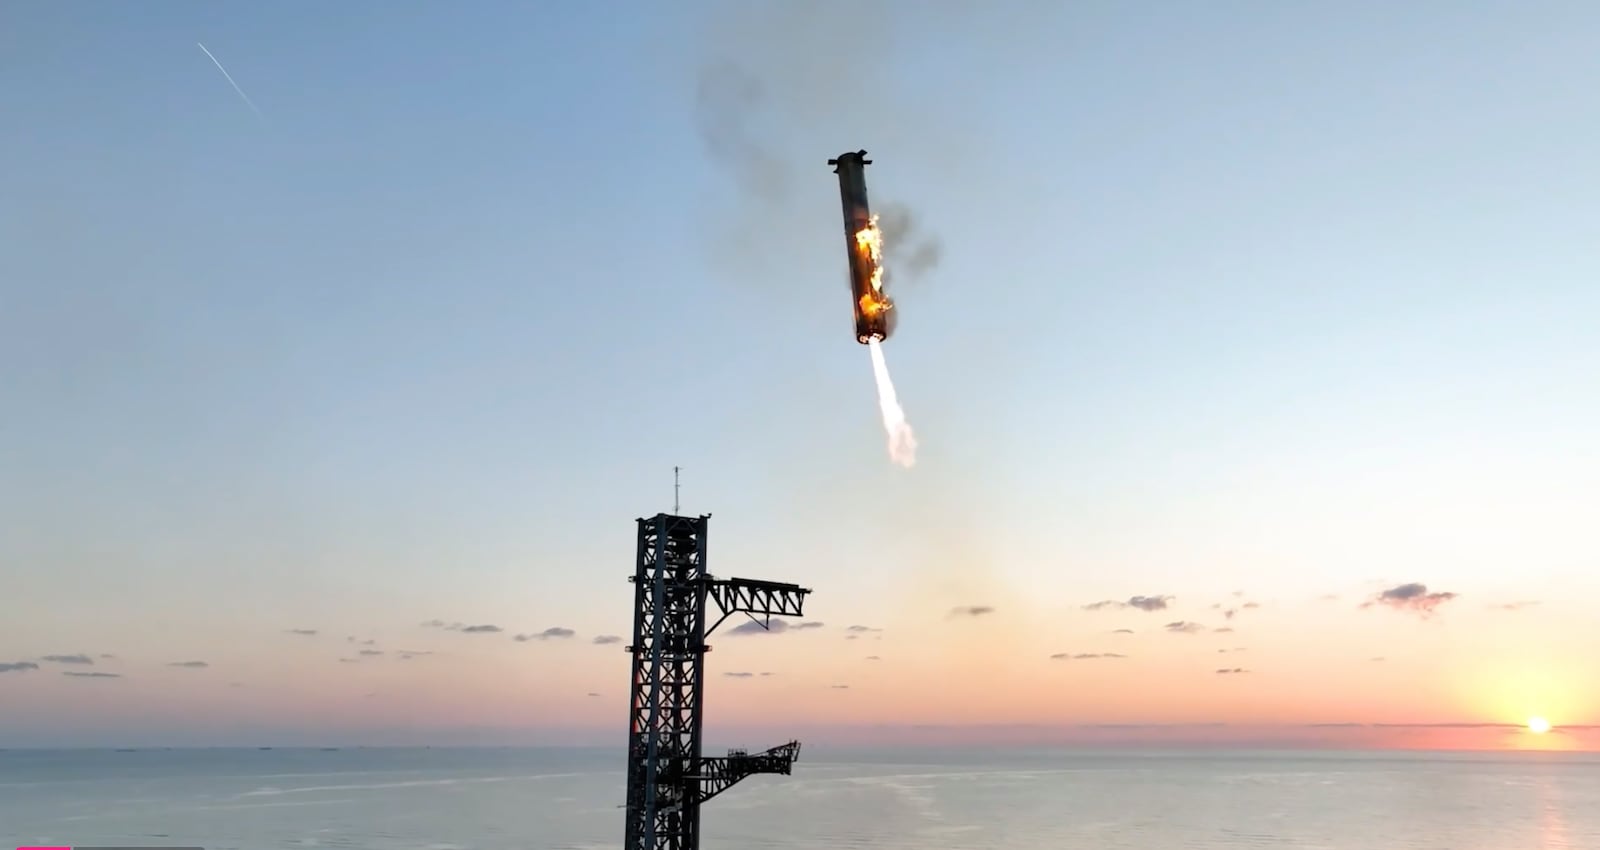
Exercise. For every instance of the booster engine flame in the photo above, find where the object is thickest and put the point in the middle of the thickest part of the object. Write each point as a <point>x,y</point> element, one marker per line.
<point>902,442</point>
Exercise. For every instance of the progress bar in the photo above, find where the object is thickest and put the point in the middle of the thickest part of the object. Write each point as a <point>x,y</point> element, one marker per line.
<point>85,847</point>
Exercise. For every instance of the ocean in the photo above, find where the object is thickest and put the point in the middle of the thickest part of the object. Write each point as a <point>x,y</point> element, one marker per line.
<point>567,799</point>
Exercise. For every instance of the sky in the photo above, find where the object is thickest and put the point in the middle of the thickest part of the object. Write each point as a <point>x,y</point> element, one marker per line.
<point>1254,386</point>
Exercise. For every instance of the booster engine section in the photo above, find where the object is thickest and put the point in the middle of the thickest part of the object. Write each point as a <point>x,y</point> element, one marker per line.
<point>874,311</point>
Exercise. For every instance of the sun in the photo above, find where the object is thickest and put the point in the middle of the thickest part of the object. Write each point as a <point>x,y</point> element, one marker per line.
<point>1538,725</point>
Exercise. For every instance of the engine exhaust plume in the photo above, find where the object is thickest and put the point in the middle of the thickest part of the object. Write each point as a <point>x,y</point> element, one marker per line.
<point>902,442</point>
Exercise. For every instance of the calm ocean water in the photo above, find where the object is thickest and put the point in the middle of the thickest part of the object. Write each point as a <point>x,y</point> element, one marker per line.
<point>553,799</point>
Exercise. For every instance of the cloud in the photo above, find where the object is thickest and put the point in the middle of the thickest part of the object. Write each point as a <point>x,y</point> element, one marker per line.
<point>192,665</point>
<point>593,694</point>
<point>306,632</point>
<point>108,656</point>
<point>1143,603</point>
<point>1516,606</point>
<point>67,659</point>
<point>840,687</point>
<point>17,666</point>
<point>1230,613</point>
<point>1122,631</point>
<point>1413,596</point>
<point>349,661</point>
<point>371,652</point>
<point>767,673</point>
<point>1328,597</point>
<point>1379,658</point>
<point>739,675</point>
<point>352,639</point>
<point>873,658</point>
<point>862,629</point>
<point>755,627</point>
<point>461,627</point>
<point>809,625</point>
<point>1085,656</point>
<point>552,633</point>
<point>971,610</point>
<point>605,639</point>
<point>1227,671</point>
<point>1184,627</point>
<point>1224,630</point>
<point>408,654</point>
<point>1235,649</point>
<point>93,675</point>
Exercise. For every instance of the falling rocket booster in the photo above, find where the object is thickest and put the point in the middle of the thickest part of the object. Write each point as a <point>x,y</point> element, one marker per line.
<point>874,311</point>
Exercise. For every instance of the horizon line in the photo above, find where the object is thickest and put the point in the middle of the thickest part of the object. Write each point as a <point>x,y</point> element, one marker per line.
<point>1154,747</point>
<point>1443,736</point>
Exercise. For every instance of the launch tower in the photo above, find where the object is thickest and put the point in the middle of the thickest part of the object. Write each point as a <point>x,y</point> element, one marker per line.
<point>668,778</point>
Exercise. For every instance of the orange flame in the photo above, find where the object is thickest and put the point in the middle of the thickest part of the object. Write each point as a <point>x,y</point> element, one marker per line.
<point>869,241</point>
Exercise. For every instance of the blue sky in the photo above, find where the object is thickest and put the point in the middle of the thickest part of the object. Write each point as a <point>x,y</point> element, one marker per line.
<point>1290,298</point>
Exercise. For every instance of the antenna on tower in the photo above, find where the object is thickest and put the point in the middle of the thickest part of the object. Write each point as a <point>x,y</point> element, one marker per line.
<point>675,490</point>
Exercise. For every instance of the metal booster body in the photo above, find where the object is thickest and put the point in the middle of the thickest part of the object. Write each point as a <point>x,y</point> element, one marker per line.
<point>874,311</point>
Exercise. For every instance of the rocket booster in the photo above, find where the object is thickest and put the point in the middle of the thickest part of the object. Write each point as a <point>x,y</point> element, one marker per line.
<point>874,311</point>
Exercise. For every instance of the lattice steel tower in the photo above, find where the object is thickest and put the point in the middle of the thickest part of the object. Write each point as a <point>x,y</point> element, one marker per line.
<point>668,778</point>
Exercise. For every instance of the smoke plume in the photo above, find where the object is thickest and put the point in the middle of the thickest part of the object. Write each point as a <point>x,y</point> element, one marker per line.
<point>773,101</point>
<point>728,98</point>
<point>904,249</point>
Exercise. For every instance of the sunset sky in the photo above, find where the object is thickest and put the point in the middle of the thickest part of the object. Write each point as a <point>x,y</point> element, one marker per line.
<point>1270,325</point>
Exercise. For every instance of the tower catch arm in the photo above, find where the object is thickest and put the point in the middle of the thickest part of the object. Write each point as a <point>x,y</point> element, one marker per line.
<point>719,773</point>
<point>762,600</point>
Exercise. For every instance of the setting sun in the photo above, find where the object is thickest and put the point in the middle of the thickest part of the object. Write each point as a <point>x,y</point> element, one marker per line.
<point>1538,725</point>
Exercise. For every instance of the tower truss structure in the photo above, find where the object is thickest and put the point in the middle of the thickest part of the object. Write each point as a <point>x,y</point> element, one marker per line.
<point>668,776</point>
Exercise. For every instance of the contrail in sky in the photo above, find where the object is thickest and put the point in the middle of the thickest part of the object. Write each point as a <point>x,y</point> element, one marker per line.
<point>247,101</point>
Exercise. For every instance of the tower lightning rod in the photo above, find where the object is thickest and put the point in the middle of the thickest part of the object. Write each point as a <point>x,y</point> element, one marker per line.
<point>675,490</point>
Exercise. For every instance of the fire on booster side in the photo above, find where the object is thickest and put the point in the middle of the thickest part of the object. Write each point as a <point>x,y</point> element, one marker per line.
<point>874,311</point>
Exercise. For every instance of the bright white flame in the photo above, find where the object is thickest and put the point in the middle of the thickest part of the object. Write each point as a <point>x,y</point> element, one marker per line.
<point>902,443</point>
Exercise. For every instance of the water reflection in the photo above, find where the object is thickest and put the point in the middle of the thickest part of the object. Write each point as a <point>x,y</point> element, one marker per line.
<point>1552,817</point>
